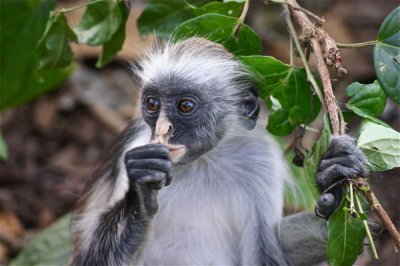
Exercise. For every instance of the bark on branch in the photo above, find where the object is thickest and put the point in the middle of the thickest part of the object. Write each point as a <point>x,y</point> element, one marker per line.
<point>326,54</point>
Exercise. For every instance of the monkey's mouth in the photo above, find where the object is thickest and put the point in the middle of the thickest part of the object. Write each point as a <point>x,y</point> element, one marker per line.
<point>176,151</point>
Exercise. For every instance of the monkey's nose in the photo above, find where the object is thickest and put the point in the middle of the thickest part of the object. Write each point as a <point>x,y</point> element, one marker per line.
<point>163,130</point>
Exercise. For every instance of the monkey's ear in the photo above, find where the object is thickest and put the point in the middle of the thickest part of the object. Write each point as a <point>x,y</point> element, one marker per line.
<point>250,107</point>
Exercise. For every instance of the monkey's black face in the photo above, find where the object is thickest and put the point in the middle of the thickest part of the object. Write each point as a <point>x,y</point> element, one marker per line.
<point>183,117</point>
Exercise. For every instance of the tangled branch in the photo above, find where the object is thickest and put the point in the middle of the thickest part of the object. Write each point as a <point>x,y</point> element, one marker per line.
<point>327,54</point>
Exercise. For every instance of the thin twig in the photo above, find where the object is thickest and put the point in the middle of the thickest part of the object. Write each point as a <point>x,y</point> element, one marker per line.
<point>342,124</point>
<point>292,52</point>
<point>64,10</point>
<point>371,240</point>
<point>242,17</point>
<point>310,76</point>
<point>356,45</point>
<point>319,20</point>
<point>373,201</point>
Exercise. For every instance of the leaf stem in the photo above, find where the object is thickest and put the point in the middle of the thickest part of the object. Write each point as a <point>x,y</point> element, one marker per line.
<point>371,241</point>
<point>342,123</point>
<point>310,76</point>
<point>242,17</point>
<point>292,52</point>
<point>356,45</point>
<point>64,10</point>
<point>351,197</point>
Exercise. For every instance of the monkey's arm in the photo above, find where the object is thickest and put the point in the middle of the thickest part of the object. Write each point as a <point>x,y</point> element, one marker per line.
<point>303,236</point>
<point>117,235</point>
<point>113,216</point>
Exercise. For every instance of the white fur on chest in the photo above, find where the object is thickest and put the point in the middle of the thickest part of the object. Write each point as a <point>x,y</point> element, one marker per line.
<point>210,214</point>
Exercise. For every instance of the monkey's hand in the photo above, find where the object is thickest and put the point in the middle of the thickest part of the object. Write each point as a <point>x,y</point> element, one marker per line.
<point>343,160</point>
<point>149,169</point>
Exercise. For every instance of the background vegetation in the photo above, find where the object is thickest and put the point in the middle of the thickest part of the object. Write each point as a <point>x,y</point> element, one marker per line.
<point>36,56</point>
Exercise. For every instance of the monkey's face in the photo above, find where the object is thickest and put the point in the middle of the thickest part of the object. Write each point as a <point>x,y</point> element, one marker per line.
<point>184,117</point>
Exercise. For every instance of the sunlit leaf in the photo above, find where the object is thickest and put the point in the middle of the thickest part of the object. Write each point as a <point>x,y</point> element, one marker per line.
<point>221,29</point>
<point>289,86</point>
<point>387,55</point>
<point>53,49</point>
<point>163,17</point>
<point>99,23</point>
<point>111,47</point>
<point>381,146</point>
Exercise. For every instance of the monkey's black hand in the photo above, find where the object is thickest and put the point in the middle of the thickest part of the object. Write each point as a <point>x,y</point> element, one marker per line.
<point>149,169</point>
<point>343,160</point>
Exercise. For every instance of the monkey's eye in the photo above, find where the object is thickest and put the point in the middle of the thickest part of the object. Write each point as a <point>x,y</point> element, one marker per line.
<point>186,106</point>
<point>152,104</point>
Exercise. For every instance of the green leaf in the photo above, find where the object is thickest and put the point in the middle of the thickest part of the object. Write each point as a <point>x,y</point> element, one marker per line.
<point>363,216</point>
<point>53,49</point>
<point>163,17</point>
<point>304,193</point>
<point>381,146</point>
<point>21,28</point>
<point>3,149</point>
<point>278,123</point>
<point>52,246</point>
<point>370,98</point>
<point>99,23</point>
<point>221,29</point>
<point>345,237</point>
<point>111,47</point>
<point>314,155</point>
<point>290,87</point>
<point>367,100</point>
<point>387,54</point>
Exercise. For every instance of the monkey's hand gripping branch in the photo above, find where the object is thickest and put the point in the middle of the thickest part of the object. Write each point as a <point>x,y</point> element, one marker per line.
<point>326,54</point>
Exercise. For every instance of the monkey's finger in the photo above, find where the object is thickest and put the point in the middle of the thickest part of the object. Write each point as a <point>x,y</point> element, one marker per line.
<point>169,179</point>
<point>151,177</point>
<point>344,146</point>
<point>350,161</point>
<point>162,165</point>
<point>333,174</point>
<point>326,205</point>
<point>148,151</point>
<point>340,145</point>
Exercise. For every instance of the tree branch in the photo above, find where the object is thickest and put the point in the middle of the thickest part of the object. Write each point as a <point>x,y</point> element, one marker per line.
<point>356,45</point>
<point>330,99</point>
<point>293,34</point>
<point>374,202</point>
<point>326,53</point>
